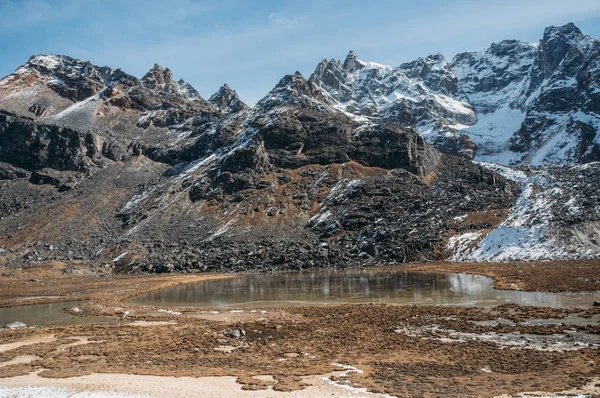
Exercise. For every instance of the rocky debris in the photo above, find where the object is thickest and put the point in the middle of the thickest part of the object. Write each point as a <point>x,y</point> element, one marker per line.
<point>16,325</point>
<point>63,180</point>
<point>235,333</point>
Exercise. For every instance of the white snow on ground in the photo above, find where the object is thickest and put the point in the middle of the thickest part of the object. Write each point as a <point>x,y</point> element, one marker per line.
<point>120,256</point>
<point>88,105</point>
<point>492,133</point>
<point>453,105</point>
<point>526,233</point>
<point>506,171</point>
<point>460,245</point>
<point>170,312</point>
<point>522,235</point>
<point>319,218</point>
<point>344,384</point>
<point>58,392</point>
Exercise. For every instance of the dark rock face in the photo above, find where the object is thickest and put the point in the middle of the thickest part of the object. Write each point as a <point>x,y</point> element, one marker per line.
<point>556,43</point>
<point>388,148</point>
<point>32,146</point>
<point>158,78</point>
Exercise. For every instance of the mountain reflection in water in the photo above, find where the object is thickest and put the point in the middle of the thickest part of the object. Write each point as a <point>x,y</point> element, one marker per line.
<point>362,285</point>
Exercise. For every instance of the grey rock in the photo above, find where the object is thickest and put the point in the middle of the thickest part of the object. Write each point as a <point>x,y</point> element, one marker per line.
<point>235,333</point>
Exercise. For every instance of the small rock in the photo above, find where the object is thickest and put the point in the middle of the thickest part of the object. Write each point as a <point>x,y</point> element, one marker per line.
<point>16,325</point>
<point>596,303</point>
<point>235,333</point>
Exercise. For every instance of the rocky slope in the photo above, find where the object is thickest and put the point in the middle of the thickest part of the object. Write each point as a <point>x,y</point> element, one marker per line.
<point>359,164</point>
<point>556,216</point>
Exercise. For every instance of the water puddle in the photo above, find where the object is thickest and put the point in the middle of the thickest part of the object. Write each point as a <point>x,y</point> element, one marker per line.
<point>352,286</point>
<point>52,314</point>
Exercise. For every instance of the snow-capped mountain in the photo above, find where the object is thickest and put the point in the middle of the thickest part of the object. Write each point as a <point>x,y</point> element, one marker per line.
<point>422,95</point>
<point>357,164</point>
<point>63,91</point>
<point>518,103</point>
<point>536,103</point>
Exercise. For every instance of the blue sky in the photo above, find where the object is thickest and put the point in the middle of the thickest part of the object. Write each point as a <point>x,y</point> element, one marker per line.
<point>251,44</point>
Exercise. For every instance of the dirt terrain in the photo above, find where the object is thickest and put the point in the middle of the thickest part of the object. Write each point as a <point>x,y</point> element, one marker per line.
<point>403,351</point>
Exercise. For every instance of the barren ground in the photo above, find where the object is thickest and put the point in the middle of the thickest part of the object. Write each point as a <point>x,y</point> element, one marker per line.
<point>404,351</point>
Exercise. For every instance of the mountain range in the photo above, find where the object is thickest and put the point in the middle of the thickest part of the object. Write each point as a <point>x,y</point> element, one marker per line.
<point>489,156</point>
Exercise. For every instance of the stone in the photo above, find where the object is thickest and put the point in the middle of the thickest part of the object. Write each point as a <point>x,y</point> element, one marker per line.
<point>235,333</point>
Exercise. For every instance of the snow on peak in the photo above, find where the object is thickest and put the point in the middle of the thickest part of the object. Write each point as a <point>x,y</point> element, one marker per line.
<point>49,61</point>
<point>567,31</point>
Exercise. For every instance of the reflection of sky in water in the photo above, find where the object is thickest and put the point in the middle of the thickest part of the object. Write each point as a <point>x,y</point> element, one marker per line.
<point>351,286</point>
<point>481,286</point>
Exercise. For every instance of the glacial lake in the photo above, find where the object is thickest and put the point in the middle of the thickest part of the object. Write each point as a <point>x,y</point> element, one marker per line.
<point>352,286</point>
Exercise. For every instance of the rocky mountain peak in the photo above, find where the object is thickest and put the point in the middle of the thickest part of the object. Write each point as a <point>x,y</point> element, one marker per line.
<point>554,46</point>
<point>434,70</point>
<point>45,62</point>
<point>157,77</point>
<point>61,66</point>
<point>352,63</point>
<point>508,47</point>
<point>227,100</point>
<point>295,82</point>
<point>568,31</point>
<point>293,90</point>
